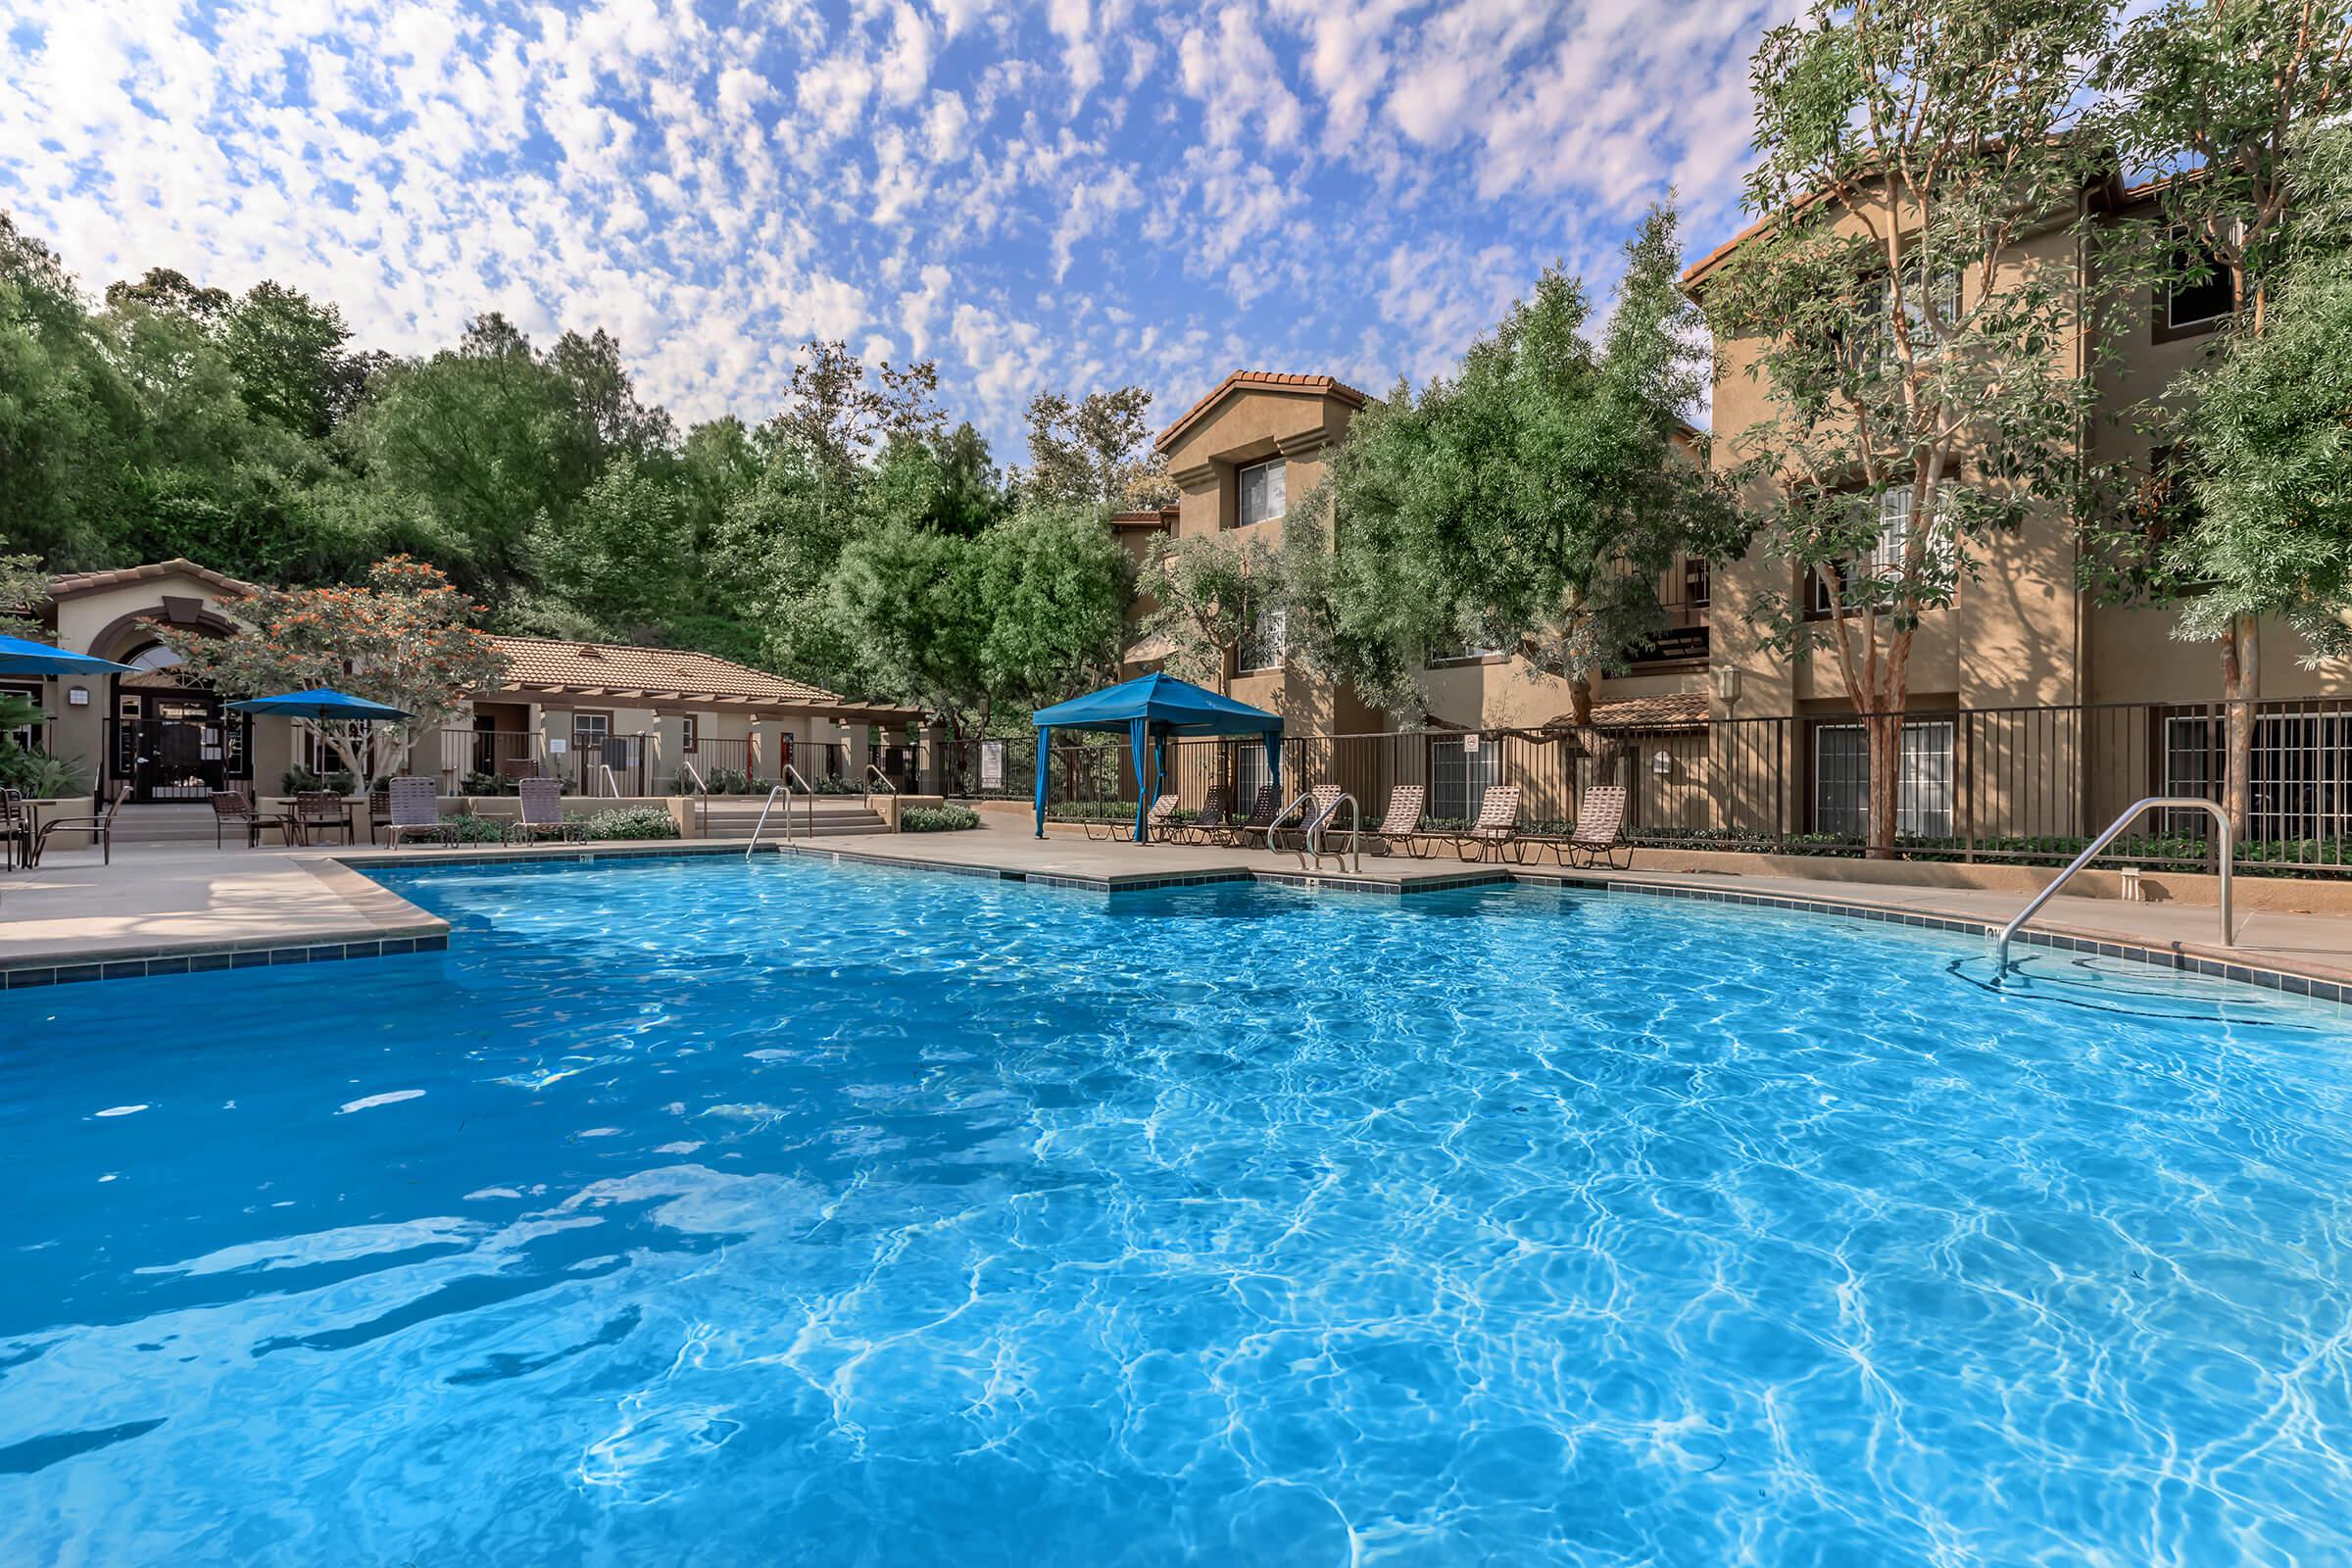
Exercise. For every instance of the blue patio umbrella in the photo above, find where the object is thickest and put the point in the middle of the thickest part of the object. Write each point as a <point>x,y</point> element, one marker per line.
<point>20,655</point>
<point>320,704</point>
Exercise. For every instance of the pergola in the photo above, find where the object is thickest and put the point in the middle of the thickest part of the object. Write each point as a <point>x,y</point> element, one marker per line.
<point>1151,710</point>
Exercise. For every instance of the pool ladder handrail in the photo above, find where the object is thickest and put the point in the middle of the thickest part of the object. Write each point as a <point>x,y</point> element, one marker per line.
<point>1283,816</point>
<point>1355,833</point>
<point>880,778</point>
<point>2172,803</point>
<point>702,816</point>
<point>792,777</point>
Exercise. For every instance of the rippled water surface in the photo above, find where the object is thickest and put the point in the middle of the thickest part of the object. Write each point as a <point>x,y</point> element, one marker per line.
<point>700,1213</point>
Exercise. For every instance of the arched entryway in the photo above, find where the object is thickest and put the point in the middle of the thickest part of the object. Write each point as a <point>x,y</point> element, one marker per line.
<point>170,740</point>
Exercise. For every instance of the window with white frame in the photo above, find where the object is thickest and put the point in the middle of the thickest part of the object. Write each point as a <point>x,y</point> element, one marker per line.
<point>2198,293</point>
<point>1940,291</point>
<point>1897,514</point>
<point>1460,771</point>
<point>1266,638</point>
<point>690,733</point>
<point>1249,774</point>
<point>1922,789</point>
<point>1261,486</point>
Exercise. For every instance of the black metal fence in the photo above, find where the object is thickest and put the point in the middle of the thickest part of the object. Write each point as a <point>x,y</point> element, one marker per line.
<point>2026,785</point>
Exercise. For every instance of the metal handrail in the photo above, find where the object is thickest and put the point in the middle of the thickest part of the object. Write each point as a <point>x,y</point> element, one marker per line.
<point>1280,816</point>
<point>2177,802</point>
<point>1355,832</point>
<point>880,778</point>
<point>792,777</point>
<point>701,788</point>
<point>612,783</point>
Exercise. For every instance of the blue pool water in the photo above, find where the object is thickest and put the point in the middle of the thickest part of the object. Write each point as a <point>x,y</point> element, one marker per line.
<point>700,1213</point>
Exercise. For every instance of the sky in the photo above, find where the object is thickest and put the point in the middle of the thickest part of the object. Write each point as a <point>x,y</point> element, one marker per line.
<point>1069,195</point>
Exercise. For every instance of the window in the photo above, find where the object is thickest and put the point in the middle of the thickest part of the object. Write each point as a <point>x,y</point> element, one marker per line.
<point>2301,784</point>
<point>1886,563</point>
<point>589,732</point>
<point>27,736</point>
<point>1923,788</point>
<point>1459,773</point>
<point>1249,774</point>
<point>2198,294</point>
<point>690,733</point>
<point>1261,492</point>
<point>1942,292</point>
<point>1466,650</point>
<point>1266,638</point>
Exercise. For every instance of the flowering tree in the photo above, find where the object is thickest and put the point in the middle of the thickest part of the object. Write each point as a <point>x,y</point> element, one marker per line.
<point>407,639</point>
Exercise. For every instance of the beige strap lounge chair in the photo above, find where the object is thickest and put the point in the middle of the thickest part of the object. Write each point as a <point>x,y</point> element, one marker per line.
<point>1400,827</point>
<point>540,804</point>
<point>1155,819</point>
<point>1261,822</point>
<point>1207,824</point>
<point>415,812</point>
<point>1599,835</point>
<point>1497,824</point>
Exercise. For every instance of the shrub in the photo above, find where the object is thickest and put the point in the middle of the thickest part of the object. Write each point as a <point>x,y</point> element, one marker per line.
<point>297,780</point>
<point>41,776</point>
<point>630,822</point>
<point>478,783</point>
<point>938,819</point>
<point>467,828</point>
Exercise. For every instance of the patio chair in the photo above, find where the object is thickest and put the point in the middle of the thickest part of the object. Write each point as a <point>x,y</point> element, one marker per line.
<point>1400,828</point>
<point>1207,824</point>
<point>1498,825</point>
<point>15,829</point>
<point>235,806</point>
<point>541,814</point>
<point>1597,836</point>
<point>318,812</point>
<point>416,811</point>
<point>100,825</point>
<point>1260,821</point>
<point>1156,820</point>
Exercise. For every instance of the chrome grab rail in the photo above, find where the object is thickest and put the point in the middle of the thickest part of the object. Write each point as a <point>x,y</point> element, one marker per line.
<point>612,784</point>
<point>1280,817</point>
<point>880,778</point>
<point>701,789</point>
<point>2176,803</point>
<point>1355,833</point>
<point>792,777</point>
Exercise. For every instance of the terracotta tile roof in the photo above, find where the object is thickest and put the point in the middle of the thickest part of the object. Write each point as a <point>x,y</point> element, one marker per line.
<point>1160,518</point>
<point>76,583</point>
<point>1675,711</point>
<point>1261,381</point>
<point>615,669</point>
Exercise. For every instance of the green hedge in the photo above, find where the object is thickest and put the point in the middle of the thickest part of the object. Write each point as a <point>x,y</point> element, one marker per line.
<point>630,822</point>
<point>937,820</point>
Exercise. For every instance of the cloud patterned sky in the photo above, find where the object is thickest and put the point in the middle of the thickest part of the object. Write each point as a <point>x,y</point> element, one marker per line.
<point>1074,194</point>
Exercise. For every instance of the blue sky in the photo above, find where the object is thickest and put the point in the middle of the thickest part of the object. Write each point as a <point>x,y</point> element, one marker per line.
<point>1074,194</point>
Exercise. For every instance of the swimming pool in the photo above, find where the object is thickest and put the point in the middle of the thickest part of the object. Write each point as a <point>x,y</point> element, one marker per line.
<point>708,1213</point>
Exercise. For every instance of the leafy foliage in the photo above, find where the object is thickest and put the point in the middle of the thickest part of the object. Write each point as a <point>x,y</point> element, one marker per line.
<point>1205,590</point>
<point>630,822</point>
<point>948,818</point>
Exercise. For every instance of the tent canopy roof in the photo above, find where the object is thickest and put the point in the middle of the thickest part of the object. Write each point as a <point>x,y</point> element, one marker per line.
<point>1168,704</point>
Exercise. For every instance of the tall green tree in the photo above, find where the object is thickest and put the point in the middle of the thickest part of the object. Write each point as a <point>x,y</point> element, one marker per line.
<point>2211,99</point>
<point>286,352</point>
<point>1913,349</point>
<point>1531,501</point>
<point>1207,592</point>
<point>1094,451</point>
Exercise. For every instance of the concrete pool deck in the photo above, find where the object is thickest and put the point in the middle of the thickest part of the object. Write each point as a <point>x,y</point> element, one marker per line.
<point>171,908</point>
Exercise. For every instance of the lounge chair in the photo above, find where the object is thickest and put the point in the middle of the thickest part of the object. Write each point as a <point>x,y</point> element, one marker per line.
<point>1598,837</point>
<point>1261,822</point>
<point>1399,826</point>
<point>235,806</point>
<point>541,814</point>
<point>100,826</point>
<point>1156,820</point>
<point>416,811</point>
<point>1497,827</point>
<point>1320,800</point>
<point>1207,824</point>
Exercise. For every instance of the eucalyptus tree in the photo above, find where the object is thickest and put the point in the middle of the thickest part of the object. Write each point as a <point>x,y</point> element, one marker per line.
<point>1208,593</point>
<point>1529,502</point>
<point>1908,309</point>
<point>2213,101</point>
<point>1095,450</point>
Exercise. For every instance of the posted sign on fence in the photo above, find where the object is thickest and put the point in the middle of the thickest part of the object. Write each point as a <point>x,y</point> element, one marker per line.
<point>992,764</point>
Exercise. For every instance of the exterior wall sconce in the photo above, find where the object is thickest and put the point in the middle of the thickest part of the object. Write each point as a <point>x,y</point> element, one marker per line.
<point>78,697</point>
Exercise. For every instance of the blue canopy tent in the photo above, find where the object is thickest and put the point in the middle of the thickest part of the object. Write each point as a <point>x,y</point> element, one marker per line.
<point>1151,709</point>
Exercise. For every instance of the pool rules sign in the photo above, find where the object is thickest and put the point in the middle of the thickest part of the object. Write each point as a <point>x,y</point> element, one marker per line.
<point>992,764</point>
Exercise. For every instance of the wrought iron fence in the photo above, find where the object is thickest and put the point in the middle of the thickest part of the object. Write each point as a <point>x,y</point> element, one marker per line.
<point>2025,785</point>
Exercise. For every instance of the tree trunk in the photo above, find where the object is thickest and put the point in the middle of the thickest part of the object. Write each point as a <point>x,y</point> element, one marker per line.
<point>1606,751</point>
<point>2241,683</point>
<point>1886,735</point>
